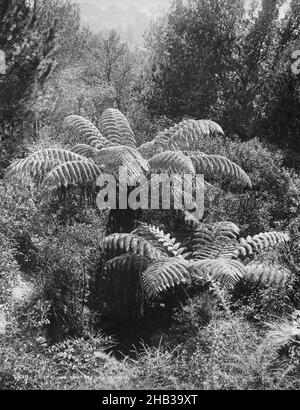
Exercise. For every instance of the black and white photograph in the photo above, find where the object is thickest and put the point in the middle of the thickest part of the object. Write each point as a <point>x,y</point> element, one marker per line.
<point>149,198</point>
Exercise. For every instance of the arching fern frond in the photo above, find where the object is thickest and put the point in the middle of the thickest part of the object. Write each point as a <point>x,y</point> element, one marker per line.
<point>171,162</point>
<point>225,271</point>
<point>187,135</point>
<point>164,275</point>
<point>85,132</point>
<point>118,244</point>
<point>115,128</point>
<point>148,149</point>
<point>260,242</point>
<point>267,275</point>
<point>38,164</point>
<point>217,165</point>
<point>120,156</point>
<point>85,150</point>
<point>72,173</point>
<point>152,233</point>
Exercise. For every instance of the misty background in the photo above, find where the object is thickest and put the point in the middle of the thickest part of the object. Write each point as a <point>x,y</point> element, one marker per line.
<point>130,18</point>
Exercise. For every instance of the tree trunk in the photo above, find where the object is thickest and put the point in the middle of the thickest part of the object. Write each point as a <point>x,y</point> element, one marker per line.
<point>122,220</point>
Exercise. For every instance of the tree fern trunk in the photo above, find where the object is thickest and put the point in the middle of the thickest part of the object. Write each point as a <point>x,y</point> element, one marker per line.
<point>122,220</point>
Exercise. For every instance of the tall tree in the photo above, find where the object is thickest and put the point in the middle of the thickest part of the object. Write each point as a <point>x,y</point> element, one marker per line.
<point>28,58</point>
<point>219,59</point>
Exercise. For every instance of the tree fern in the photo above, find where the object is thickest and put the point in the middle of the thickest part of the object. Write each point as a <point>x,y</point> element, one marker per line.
<point>121,156</point>
<point>116,129</point>
<point>216,165</point>
<point>72,173</point>
<point>85,150</point>
<point>214,241</point>
<point>260,242</point>
<point>83,131</point>
<point>118,244</point>
<point>38,164</point>
<point>164,275</point>
<point>225,271</point>
<point>152,233</point>
<point>187,135</point>
<point>171,162</point>
<point>267,275</point>
<point>121,288</point>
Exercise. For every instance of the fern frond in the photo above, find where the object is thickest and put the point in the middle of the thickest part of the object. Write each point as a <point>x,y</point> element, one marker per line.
<point>115,128</point>
<point>214,241</point>
<point>120,156</point>
<point>72,173</point>
<point>217,165</point>
<point>84,131</point>
<point>267,275</point>
<point>171,162</point>
<point>148,149</point>
<point>260,242</point>
<point>152,233</point>
<point>187,135</point>
<point>38,164</point>
<point>225,271</point>
<point>118,244</point>
<point>164,275</point>
<point>121,286</point>
<point>85,150</point>
<point>220,248</point>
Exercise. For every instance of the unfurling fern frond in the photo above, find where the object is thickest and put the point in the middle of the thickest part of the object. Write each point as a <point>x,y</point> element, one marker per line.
<point>171,162</point>
<point>116,129</point>
<point>267,275</point>
<point>122,294</point>
<point>260,242</point>
<point>152,233</point>
<point>72,173</point>
<point>118,244</point>
<point>38,164</point>
<point>164,275</point>
<point>85,132</point>
<point>225,271</point>
<point>216,165</point>
<point>214,241</point>
<point>120,156</point>
<point>187,135</point>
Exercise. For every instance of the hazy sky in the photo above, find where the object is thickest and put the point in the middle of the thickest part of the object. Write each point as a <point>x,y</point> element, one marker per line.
<point>144,5</point>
